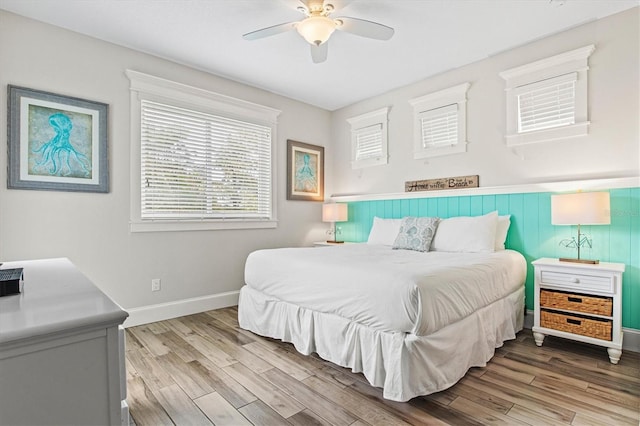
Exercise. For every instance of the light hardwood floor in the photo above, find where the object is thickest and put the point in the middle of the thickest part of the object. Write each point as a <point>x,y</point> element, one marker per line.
<point>202,369</point>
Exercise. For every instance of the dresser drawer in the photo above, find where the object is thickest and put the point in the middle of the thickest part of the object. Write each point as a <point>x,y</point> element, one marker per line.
<point>598,305</point>
<point>578,281</point>
<point>592,327</point>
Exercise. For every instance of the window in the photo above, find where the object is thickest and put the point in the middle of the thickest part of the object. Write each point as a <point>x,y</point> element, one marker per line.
<point>439,127</point>
<point>547,99</point>
<point>199,160</point>
<point>368,142</point>
<point>440,122</point>
<point>547,104</point>
<point>369,139</point>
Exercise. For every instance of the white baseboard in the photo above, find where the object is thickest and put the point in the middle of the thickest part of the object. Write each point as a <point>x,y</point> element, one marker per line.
<point>179,308</point>
<point>630,341</point>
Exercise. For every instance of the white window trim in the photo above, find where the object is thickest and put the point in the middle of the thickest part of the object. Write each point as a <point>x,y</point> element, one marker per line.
<point>575,61</point>
<point>144,86</point>
<point>453,95</point>
<point>365,121</point>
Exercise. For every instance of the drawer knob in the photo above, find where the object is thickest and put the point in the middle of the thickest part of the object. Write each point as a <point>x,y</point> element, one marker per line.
<point>575,280</point>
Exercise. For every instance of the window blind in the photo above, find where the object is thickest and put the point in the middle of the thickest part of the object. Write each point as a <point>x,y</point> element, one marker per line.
<point>439,127</point>
<point>368,142</point>
<point>196,165</point>
<point>547,104</point>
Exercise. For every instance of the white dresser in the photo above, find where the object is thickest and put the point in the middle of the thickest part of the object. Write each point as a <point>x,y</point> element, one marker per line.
<point>61,350</point>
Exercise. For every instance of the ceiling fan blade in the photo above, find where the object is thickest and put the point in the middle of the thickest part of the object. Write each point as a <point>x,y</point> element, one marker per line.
<point>319,53</point>
<point>269,31</point>
<point>365,28</point>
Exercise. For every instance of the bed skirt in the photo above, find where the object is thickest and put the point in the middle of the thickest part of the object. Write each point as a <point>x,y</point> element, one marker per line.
<point>403,364</point>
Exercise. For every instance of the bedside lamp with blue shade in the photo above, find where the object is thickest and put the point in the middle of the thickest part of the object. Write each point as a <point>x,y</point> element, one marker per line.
<point>334,212</point>
<point>582,208</point>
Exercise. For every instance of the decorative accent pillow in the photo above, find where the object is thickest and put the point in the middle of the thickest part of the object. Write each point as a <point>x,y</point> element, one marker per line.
<point>384,231</point>
<point>466,234</point>
<point>501,231</point>
<point>416,233</point>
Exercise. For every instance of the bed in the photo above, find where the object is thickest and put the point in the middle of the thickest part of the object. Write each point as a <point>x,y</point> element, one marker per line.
<point>413,322</point>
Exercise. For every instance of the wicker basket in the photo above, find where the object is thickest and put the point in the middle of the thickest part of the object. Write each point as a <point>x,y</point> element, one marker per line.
<point>577,302</point>
<point>592,327</point>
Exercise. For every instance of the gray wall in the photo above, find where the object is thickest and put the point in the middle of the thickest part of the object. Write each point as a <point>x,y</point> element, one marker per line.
<point>610,150</point>
<point>93,229</point>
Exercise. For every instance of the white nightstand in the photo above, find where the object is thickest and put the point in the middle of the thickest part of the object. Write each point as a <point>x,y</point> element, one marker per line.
<point>580,302</point>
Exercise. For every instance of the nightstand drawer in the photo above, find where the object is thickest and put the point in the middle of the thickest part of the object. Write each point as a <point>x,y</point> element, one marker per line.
<point>592,327</point>
<point>578,281</point>
<point>597,305</point>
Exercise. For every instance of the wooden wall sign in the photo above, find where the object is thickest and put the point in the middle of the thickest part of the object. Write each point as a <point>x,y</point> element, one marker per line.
<point>441,183</point>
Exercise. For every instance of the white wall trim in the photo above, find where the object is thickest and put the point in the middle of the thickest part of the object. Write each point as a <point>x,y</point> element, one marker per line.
<point>630,341</point>
<point>359,124</point>
<point>574,65</point>
<point>456,95</point>
<point>194,96</point>
<point>151,88</point>
<point>548,67</point>
<point>585,185</point>
<point>179,308</point>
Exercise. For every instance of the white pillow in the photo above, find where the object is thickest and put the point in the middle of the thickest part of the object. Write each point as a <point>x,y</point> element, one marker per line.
<point>384,231</point>
<point>501,231</point>
<point>467,234</point>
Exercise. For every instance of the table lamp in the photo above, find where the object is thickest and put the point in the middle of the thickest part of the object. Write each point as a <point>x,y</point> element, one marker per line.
<point>334,212</point>
<point>582,208</point>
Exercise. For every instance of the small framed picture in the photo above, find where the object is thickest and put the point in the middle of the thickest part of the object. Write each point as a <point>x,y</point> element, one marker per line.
<point>56,142</point>
<point>305,171</point>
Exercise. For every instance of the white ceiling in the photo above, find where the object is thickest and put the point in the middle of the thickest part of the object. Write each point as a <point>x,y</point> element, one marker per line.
<point>431,36</point>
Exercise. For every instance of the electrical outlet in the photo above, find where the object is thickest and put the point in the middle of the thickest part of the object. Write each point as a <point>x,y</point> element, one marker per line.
<point>155,284</point>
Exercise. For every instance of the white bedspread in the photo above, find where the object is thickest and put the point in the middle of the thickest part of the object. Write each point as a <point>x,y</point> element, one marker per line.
<point>406,291</point>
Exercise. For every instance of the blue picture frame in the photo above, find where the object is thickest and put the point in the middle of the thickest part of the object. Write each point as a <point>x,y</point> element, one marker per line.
<point>56,142</point>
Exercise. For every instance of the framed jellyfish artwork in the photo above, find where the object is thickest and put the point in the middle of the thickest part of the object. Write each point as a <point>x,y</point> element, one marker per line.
<point>56,142</point>
<point>305,171</point>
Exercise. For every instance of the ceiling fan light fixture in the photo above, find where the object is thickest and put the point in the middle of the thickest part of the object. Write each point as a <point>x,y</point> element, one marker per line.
<point>316,29</point>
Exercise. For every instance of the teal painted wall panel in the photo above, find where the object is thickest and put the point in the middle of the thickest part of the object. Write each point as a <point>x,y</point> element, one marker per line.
<point>531,232</point>
<point>465,206</point>
<point>632,276</point>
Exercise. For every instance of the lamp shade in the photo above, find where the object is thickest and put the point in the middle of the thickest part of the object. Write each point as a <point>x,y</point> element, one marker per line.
<point>334,212</point>
<point>582,208</point>
<point>316,29</point>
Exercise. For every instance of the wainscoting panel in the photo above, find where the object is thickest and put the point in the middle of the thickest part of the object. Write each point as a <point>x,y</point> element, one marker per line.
<point>531,232</point>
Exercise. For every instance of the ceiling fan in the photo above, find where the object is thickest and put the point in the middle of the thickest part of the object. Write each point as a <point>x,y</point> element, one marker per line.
<point>317,27</point>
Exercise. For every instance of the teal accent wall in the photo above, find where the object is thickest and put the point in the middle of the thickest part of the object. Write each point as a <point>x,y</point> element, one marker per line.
<point>531,232</point>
